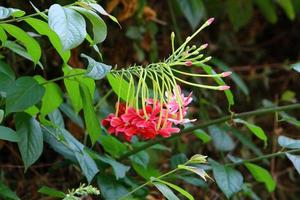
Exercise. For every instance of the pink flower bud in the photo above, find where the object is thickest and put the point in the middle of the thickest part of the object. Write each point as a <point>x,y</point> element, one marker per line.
<point>224,87</point>
<point>188,63</point>
<point>210,20</point>
<point>204,46</point>
<point>225,74</point>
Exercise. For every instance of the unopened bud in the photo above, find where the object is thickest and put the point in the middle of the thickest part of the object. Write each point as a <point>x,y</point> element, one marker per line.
<point>198,158</point>
<point>204,46</point>
<point>172,35</point>
<point>207,59</point>
<point>225,74</point>
<point>188,63</point>
<point>224,87</point>
<point>209,21</point>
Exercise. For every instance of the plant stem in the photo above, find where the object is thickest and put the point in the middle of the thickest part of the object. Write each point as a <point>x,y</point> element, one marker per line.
<point>62,77</point>
<point>212,122</point>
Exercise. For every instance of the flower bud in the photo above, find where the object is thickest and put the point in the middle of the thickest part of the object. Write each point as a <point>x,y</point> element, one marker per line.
<point>224,87</point>
<point>209,21</point>
<point>198,158</point>
<point>225,74</point>
<point>188,63</point>
<point>204,46</point>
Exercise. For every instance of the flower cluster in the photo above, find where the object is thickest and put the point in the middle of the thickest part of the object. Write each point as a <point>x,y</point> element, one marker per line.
<point>154,119</point>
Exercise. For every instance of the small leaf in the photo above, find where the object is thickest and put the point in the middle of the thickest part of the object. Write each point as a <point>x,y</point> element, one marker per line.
<point>17,12</point>
<point>262,175</point>
<point>68,24</point>
<point>221,140</point>
<point>288,8</point>
<point>7,193</point>
<point>99,9</point>
<point>121,87</point>
<point>51,192</point>
<point>229,180</point>
<point>32,46</point>
<point>8,134</point>
<point>43,29</point>
<point>166,191</point>
<point>295,160</point>
<point>256,130</point>
<point>24,93</point>
<point>175,187</point>
<point>289,143</point>
<point>53,92</point>
<point>31,138</point>
<point>96,70</point>
<point>202,136</point>
<point>197,170</point>
<point>99,26</point>
<point>91,121</point>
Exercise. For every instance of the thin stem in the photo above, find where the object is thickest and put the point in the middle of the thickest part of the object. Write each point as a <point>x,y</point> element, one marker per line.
<point>103,99</point>
<point>63,77</point>
<point>212,122</point>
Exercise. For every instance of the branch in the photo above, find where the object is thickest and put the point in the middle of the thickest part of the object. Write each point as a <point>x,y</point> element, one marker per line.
<point>212,122</point>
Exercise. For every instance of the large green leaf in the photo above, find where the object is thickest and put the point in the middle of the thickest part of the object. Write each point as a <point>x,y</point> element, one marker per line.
<point>262,175</point>
<point>43,28</point>
<point>99,26</point>
<point>141,158</point>
<point>87,165</point>
<point>76,77</point>
<point>121,87</point>
<point>53,92</point>
<point>229,180</point>
<point>31,138</point>
<point>24,93</point>
<point>68,24</point>
<point>268,10</point>
<point>6,193</point>
<point>6,69</point>
<point>91,122</point>
<point>166,191</point>
<point>295,160</point>
<point>240,12</point>
<point>289,143</point>
<point>256,130</point>
<point>8,134</point>
<point>32,46</point>
<point>112,145</point>
<point>5,82</point>
<point>1,115</point>
<point>96,70</point>
<point>51,192</point>
<point>221,140</point>
<point>193,10</point>
<point>3,36</point>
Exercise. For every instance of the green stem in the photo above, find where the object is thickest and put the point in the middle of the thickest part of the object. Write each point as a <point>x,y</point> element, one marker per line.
<point>63,77</point>
<point>212,122</point>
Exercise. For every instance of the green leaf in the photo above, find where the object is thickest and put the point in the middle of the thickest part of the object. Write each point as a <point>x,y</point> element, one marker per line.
<point>6,193</point>
<point>32,46</point>
<point>68,24</point>
<point>262,175</point>
<point>24,93</point>
<point>21,51</point>
<point>99,26</point>
<point>234,76</point>
<point>43,29</point>
<point>288,96</point>
<point>70,113</point>
<point>3,36</point>
<point>289,143</point>
<point>221,140</point>
<point>5,82</point>
<point>256,130</point>
<point>239,12</point>
<point>87,165</point>
<point>96,70</point>
<point>8,134</point>
<point>17,12</point>
<point>76,77</point>
<point>175,187</point>
<point>53,92</point>
<point>31,138</point>
<point>295,160</point>
<point>229,180</point>
<point>202,135</point>
<point>141,158</point>
<point>288,8</point>
<point>268,10</point>
<point>197,170</point>
<point>166,191</point>
<point>91,121</point>
<point>1,115</point>
<point>51,192</point>
<point>6,69</point>
<point>219,81</point>
<point>57,118</point>
<point>121,87</point>
<point>296,67</point>
<point>100,10</point>
<point>112,145</point>
<point>193,10</point>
